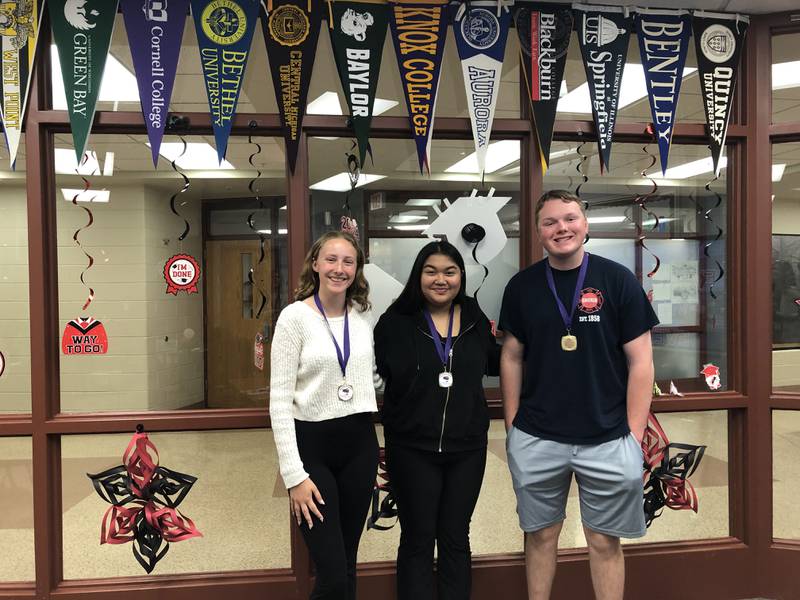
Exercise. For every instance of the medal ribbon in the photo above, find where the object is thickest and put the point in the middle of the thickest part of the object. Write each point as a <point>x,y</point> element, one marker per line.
<point>343,358</point>
<point>567,318</point>
<point>442,350</point>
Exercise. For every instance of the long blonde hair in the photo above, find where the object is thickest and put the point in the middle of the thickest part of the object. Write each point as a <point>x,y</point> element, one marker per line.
<point>358,291</point>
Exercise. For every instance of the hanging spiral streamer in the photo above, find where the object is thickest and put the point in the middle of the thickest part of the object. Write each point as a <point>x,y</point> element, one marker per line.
<point>251,221</point>
<point>89,257</point>
<point>185,187</point>
<point>707,216</point>
<point>348,223</point>
<point>581,167</point>
<point>641,201</point>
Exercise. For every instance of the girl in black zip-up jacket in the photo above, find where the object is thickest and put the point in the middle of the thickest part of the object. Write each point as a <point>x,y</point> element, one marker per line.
<point>435,419</point>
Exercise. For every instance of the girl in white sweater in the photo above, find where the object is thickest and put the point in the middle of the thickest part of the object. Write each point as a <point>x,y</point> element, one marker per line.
<point>322,396</point>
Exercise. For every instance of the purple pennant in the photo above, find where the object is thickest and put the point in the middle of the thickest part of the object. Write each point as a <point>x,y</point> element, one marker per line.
<point>155,31</point>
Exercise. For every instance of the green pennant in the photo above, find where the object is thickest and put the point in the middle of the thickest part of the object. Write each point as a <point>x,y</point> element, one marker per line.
<point>357,33</point>
<point>82,32</point>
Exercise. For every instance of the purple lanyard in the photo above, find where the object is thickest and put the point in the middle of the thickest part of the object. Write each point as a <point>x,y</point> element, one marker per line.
<point>342,359</point>
<point>567,318</point>
<point>442,351</point>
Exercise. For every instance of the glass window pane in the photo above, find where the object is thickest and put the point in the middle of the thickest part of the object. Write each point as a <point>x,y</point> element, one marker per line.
<point>396,209</point>
<point>679,224</point>
<point>451,100</point>
<point>786,473</point>
<point>785,268</point>
<point>785,78</point>
<point>15,342</point>
<point>634,105</point>
<point>170,351</point>
<point>119,91</point>
<point>238,503</point>
<point>16,510</point>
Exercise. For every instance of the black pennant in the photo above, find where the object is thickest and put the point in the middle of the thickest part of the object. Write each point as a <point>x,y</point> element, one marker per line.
<point>718,40</point>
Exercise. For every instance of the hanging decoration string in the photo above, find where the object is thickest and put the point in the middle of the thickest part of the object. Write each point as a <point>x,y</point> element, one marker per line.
<point>251,220</point>
<point>86,187</point>
<point>641,202</point>
<point>186,184</point>
<point>581,167</point>
<point>347,222</point>
<point>707,216</point>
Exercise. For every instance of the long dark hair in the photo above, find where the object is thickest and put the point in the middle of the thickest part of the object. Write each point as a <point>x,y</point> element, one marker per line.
<point>411,300</point>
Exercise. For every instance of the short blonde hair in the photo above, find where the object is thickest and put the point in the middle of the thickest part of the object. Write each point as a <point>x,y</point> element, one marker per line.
<point>563,195</point>
<point>308,284</point>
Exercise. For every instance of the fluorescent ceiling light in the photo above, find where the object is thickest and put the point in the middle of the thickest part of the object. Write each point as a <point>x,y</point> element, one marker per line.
<point>328,103</point>
<point>691,169</point>
<point>199,156</point>
<point>86,196</point>
<point>633,88</point>
<point>66,163</point>
<point>409,216</point>
<point>786,75</point>
<point>119,84</point>
<point>409,227</point>
<point>423,202</point>
<point>498,156</point>
<point>777,172</point>
<point>341,182</point>
<point>611,219</point>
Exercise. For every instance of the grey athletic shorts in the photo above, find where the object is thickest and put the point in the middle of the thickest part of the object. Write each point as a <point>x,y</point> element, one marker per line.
<point>609,477</point>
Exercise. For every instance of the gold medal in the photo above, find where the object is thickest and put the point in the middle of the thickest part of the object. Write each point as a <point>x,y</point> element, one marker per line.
<point>569,343</point>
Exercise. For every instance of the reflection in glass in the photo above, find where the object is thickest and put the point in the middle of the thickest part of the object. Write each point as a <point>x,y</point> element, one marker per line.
<point>785,473</point>
<point>785,268</point>
<point>15,362</point>
<point>679,228</point>
<point>16,516</point>
<point>170,351</point>
<point>238,503</point>
<point>785,78</point>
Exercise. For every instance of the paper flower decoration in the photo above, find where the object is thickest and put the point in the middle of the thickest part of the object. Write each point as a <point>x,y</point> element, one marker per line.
<point>667,467</point>
<point>144,498</point>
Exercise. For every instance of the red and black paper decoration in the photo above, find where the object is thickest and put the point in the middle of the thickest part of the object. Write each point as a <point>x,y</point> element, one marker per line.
<point>663,44</point>
<point>386,508</point>
<point>291,30</point>
<point>419,31</point>
<point>603,33</point>
<point>667,467</point>
<point>544,31</point>
<point>718,40</point>
<point>358,30</point>
<point>84,336</point>
<point>181,272</point>
<point>144,497</point>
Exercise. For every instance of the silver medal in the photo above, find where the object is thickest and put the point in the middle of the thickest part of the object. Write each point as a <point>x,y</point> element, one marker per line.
<point>345,392</point>
<point>445,379</point>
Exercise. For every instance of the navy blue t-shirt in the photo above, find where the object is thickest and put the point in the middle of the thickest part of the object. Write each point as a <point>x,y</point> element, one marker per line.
<point>575,397</point>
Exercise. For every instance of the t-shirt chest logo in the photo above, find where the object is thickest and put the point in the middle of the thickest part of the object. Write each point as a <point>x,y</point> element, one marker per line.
<point>591,300</point>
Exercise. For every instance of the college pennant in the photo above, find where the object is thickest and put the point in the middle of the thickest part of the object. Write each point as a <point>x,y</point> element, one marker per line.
<point>603,33</point>
<point>544,31</point>
<point>82,33</point>
<point>663,44</point>
<point>358,30</point>
<point>481,35</point>
<point>19,30</point>
<point>419,31</point>
<point>224,34</point>
<point>155,30</point>
<point>718,40</point>
<point>291,30</point>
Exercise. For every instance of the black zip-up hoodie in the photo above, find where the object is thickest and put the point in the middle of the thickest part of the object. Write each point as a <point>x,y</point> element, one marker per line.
<point>416,411</point>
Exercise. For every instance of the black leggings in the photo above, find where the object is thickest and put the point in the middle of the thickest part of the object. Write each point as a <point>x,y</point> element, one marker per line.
<point>341,457</point>
<point>436,494</point>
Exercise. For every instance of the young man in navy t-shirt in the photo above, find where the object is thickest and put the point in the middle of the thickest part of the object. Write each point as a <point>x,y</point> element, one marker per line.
<point>577,380</point>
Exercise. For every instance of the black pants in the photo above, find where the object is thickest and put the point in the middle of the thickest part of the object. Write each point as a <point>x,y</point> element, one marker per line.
<point>341,457</point>
<point>436,495</point>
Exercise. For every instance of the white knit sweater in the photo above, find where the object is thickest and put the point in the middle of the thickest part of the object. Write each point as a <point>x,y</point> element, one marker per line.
<point>305,376</point>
